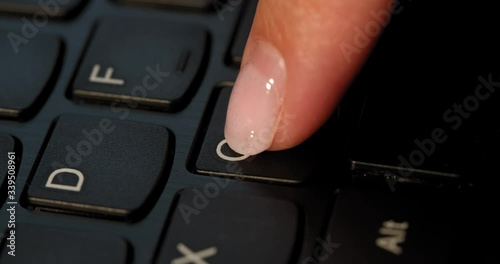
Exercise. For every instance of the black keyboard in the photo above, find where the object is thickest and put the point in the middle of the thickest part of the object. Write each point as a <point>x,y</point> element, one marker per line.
<point>112,147</point>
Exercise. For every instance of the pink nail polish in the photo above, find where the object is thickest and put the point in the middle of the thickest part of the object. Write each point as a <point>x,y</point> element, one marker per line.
<point>256,101</point>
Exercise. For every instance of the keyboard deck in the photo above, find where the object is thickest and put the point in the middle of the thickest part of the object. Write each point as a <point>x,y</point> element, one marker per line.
<point>112,147</point>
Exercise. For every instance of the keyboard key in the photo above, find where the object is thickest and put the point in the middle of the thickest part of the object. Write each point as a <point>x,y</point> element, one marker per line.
<point>441,124</point>
<point>38,244</point>
<point>196,4</point>
<point>27,69</point>
<point>40,8</point>
<point>101,166</point>
<point>384,227</point>
<point>6,147</point>
<point>216,158</point>
<point>143,63</point>
<point>223,227</point>
<point>242,32</point>
<point>433,142</point>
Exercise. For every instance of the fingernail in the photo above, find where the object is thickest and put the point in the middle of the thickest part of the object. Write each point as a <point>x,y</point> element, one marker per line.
<point>256,101</point>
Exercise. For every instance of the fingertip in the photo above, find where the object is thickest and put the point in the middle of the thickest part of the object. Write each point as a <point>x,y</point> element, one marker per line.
<point>256,102</point>
<point>305,38</point>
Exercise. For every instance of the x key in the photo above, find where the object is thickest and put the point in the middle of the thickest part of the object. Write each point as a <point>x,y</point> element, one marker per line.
<point>229,227</point>
<point>193,258</point>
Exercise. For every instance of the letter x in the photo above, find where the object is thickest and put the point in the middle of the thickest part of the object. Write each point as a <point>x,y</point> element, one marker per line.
<point>193,258</point>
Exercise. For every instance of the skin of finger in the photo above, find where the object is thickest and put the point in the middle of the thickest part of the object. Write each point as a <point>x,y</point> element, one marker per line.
<point>310,36</point>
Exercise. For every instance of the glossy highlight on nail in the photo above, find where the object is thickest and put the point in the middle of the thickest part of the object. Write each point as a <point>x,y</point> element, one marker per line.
<point>256,101</point>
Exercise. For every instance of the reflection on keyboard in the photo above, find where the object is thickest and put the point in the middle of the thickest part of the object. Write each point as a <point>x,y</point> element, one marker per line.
<point>112,146</point>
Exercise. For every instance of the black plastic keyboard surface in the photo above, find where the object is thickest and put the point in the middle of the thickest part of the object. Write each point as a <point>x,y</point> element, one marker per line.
<point>112,147</point>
